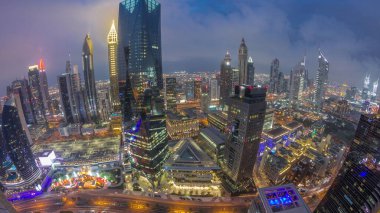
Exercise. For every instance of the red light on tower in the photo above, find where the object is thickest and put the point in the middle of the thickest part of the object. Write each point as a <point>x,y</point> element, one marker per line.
<point>41,65</point>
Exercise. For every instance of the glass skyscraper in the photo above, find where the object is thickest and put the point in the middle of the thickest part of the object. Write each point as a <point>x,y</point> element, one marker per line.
<point>321,80</point>
<point>140,79</point>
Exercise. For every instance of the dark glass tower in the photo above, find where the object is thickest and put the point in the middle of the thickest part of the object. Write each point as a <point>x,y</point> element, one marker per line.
<point>246,112</point>
<point>16,141</point>
<point>250,72</point>
<point>171,94</point>
<point>67,98</point>
<point>321,80</point>
<point>357,186</point>
<point>22,88</point>
<point>89,77</point>
<point>35,88</point>
<point>140,79</point>
<point>274,76</point>
<point>226,79</point>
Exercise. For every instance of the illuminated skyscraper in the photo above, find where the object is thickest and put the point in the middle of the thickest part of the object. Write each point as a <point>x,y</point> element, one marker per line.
<point>214,89</point>
<point>197,89</point>
<point>321,80</point>
<point>67,98</point>
<point>112,66</point>
<point>16,141</point>
<point>225,79</point>
<point>140,79</point>
<point>357,186</point>
<point>44,85</point>
<point>171,94</point>
<point>89,77</point>
<point>250,72</point>
<point>243,63</point>
<point>274,76</point>
<point>246,113</point>
<point>35,89</point>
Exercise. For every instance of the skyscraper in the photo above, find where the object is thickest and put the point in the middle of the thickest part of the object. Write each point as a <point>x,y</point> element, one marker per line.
<point>321,80</point>
<point>246,112</point>
<point>16,141</point>
<point>139,47</point>
<point>35,89</point>
<point>297,82</point>
<point>250,72</point>
<point>189,90</point>
<point>274,76</point>
<point>67,98</point>
<point>197,89</point>
<point>89,77</point>
<point>214,89</point>
<point>171,94</point>
<point>44,85</point>
<point>79,93</point>
<point>112,66</point>
<point>243,63</point>
<point>140,79</point>
<point>225,79</point>
<point>22,88</point>
<point>357,186</point>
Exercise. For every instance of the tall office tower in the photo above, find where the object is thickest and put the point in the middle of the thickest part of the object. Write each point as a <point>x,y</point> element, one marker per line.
<point>243,63</point>
<point>225,79</point>
<point>274,76</point>
<point>140,79</point>
<point>321,80</point>
<point>189,90</point>
<point>79,92</point>
<point>235,78</point>
<point>365,91</point>
<point>44,86</point>
<point>171,94</point>
<point>35,89</point>
<point>246,112</point>
<point>357,186</point>
<point>89,77</point>
<point>104,105</point>
<point>297,79</point>
<point>112,66</point>
<point>214,89</point>
<point>197,89</point>
<point>282,86</point>
<point>67,98</point>
<point>16,140</point>
<point>23,89</point>
<point>250,72</point>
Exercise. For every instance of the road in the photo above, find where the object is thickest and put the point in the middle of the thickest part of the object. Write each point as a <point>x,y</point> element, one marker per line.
<point>113,201</point>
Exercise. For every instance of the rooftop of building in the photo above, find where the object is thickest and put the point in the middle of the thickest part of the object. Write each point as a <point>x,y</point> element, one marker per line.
<point>283,198</point>
<point>188,156</point>
<point>292,125</point>
<point>277,162</point>
<point>214,135</point>
<point>182,115</point>
<point>276,132</point>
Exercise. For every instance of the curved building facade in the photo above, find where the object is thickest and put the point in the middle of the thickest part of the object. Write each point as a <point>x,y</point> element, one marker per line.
<point>16,142</point>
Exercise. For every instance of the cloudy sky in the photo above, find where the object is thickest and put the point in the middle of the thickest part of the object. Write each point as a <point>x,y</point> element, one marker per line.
<point>197,33</point>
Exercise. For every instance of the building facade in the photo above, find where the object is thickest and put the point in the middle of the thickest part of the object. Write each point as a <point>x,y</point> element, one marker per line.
<point>321,80</point>
<point>89,77</point>
<point>112,67</point>
<point>44,86</point>
<point>225,79</point>
<point>274,76</point>
<point>36,93</point>
<point>243,63</point>
<point>246,112</point>
<point>250,72</point>
<point>171,94</point>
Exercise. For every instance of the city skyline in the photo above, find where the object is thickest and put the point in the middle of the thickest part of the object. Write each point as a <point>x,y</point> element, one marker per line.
<point>349,45</point>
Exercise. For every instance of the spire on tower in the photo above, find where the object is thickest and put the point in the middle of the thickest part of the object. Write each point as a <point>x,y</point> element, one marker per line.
<point>41,65</point>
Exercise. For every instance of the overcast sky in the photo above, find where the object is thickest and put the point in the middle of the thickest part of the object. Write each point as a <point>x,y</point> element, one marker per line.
<point>197,33</point>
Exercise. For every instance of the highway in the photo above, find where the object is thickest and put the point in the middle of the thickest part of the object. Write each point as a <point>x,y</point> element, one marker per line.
<point>114,201</point>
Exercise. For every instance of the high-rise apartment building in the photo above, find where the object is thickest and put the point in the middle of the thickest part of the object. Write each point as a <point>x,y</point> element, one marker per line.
<point>246,113</point>
<point>171,94</point>
<point>89,77</point>
<point>321,80</point>
<point>112,67</point>
<point>214,89</point>
<point>274,76</point>
<point>36,93</point>
<point>17,144</point>
<point>243,63</point>
<point>225,79</point>
<point>357,186</point>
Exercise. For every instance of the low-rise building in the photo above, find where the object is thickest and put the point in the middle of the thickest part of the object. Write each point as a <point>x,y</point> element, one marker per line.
<point>213,141</point>
<point>182,125</point>
<point>218,120</point>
